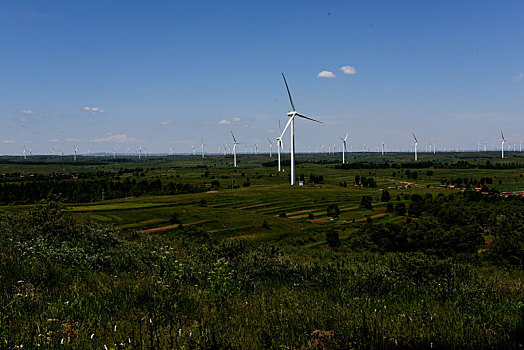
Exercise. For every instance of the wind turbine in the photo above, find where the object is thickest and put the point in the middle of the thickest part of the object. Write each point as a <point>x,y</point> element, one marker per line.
<point>416,143</point>
<point>279,145</point>
<point>291,121</point>
<point>139,151</point>
<point>202,146</point>
<point>25,152</point>
<point>114,150</point>
<point>270,147</point>
<point>76,151</point>
<point>235,143</point>
<point>503,140</point>
<point>344,147</point>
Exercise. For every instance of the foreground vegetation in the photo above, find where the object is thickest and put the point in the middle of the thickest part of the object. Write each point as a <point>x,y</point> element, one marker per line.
<point>326,266</point>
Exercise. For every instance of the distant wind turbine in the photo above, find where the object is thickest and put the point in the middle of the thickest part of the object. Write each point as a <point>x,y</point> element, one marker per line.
<point>502,140</point>
<point>235,143</point>
<point>270,147</point>
<point>416,143</point>
<point>343,147</point>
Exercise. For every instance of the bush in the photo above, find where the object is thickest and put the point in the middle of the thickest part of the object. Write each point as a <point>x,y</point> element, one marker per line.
<point>333,210</point>
<point>366,202</point>
<point>332,238</point>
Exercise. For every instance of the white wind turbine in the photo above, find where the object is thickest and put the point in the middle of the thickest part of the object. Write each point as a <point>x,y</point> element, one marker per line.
<point>235,143</point>
<point>291,122</point>
<point>416,143</point>
<point>25,152</point>
<point>279,145</point>
<point>256,149</point>
<point>139,151</point>
<point>344,147</point>
<point>382,147</point>
<point>114,151</point>
<point>502,140</point>
<point>76,151</point>
<point>202,147</point>
<point>270,147</point>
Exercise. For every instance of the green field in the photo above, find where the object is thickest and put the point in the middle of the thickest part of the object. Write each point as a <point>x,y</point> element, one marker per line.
<point>247,261</point>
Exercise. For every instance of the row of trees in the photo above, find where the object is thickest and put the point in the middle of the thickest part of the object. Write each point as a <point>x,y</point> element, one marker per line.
<point>77,191</point>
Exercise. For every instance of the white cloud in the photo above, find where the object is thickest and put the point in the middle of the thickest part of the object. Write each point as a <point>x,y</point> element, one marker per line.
<point>348,70</point>
<point>326,74</point>
<point>518,77</point>
<point>22,119</point>
<point>53,140</point>
<point>27,112</point>
<point>70,139</point>
<point>122,138</point>
<point>224,122</point>
<point>8,141</point>
<point>236,119</point>
<point>93,110</point>
<point>166,122</point>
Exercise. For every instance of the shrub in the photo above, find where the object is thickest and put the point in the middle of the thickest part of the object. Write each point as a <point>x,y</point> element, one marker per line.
<point>332,238</point>
<point>333,210</point>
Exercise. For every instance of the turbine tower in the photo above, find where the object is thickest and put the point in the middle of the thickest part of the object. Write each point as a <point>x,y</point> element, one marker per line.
<point>25,152</point>
<point>114,150</point>
<point>502,140</point>
<point>139,151</point>
<point>270,147</point>
<point>76,151</point>
<point>279,145</point>
<point>416,143</point>
<point>235,143</point>
<point>344,147</point>
<point>202,147</point>
<point>382,147</point>
<point>291,122</point>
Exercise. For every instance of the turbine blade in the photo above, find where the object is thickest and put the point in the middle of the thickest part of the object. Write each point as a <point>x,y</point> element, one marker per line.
<point>289,93</point>
<point>502,135</point>
<point>279,128</point>
<point>303,116</point>
<point>414,137</point>
<point>233,137</point>
<point>285,128</point>
<point>345,138</point>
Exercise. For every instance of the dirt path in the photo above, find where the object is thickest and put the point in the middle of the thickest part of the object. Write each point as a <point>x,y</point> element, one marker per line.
<point>229,229</point>
<point>256,206</point>
<point>372,216</point>
<point>164,228</point>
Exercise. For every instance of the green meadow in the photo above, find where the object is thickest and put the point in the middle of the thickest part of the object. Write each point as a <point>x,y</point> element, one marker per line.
<point>367,256</point>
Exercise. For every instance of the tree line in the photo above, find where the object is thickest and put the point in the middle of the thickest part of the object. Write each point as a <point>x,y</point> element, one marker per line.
<point>89,190</point>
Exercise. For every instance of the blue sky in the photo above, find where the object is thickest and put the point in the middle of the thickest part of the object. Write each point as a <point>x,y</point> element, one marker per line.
<point>163,74</point>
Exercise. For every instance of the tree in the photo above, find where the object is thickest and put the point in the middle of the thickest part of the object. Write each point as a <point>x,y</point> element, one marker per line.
<point>385,196</point>
<point>332,238</point>
<point>333,210</point>
<point>366,201</point>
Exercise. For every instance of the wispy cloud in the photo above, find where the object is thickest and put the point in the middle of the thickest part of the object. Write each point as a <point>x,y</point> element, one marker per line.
<point>70,139</point>
<point>53,140</point>
<point>235,119</point>
<point>8,141</point>
<point>27,112</point>
<point>93,110</point>
<point>22,119</point>
<point>350,70</point>
<point>519,76</point>
<point>122,138</point>
<point>224,122</point>
<point>166,122</point>
<point>326,74</point>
